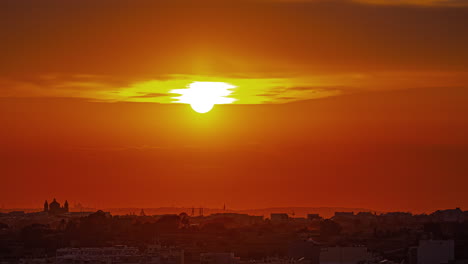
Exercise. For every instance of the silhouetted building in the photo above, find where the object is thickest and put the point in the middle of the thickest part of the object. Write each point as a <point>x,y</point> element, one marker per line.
<point>233,219</point>
<point>117,254</point>
<point>435,251</point>
<point>155,254</point>
<point>54,207</point>
<point>343,255</point>
<point>449,215</point>
<point>307,251</point>
<point>218,258</point>
<point>313,217</point>
<point>276,260</point>
<point>279,218</point>
<point>165,255</point>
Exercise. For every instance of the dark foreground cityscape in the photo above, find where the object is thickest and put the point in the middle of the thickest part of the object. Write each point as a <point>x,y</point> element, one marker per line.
<point>57,235</point>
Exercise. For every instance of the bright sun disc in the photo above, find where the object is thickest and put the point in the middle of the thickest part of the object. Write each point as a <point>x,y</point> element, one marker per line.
<point>202,96</point>
<point>201,107</point>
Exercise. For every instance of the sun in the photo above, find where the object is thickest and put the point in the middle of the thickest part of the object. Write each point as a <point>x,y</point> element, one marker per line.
<point>202,96</point>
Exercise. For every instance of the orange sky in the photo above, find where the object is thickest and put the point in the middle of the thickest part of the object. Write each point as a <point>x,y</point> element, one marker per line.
<point>338,103</point>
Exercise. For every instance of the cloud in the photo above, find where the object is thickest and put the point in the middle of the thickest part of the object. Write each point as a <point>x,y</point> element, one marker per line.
<point>267,94</point>
<point>425,3</point>
<point>302,88</point>
<point>150,95</point>
<point>247,91</point>
<point>287,98</point>
<point>324,89</point>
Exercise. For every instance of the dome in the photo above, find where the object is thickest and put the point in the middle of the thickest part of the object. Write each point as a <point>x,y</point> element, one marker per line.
<point>54,204</point>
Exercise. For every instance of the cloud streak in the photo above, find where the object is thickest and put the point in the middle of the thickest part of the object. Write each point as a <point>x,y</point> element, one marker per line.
<point>149,95</point>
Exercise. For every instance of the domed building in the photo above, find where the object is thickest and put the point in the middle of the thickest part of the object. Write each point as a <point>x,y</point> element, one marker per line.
<point>54,207</point>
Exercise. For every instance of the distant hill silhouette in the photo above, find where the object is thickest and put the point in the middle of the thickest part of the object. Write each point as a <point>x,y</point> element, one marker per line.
<point>292,211</point>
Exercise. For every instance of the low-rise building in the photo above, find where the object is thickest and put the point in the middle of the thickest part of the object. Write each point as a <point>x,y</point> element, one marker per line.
<point>116,254</point>
<point>154,254</point>
<point>279,218</point>
<point>343,255</point>
<point>307,251</point>
<point>218,258</point>
<point>312,217</point>
<point>435,251</point>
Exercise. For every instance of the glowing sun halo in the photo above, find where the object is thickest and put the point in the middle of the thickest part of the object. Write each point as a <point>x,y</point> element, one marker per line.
<point>202,96</point>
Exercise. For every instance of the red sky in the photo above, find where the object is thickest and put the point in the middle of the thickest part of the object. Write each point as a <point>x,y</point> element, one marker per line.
<point>339,103</point>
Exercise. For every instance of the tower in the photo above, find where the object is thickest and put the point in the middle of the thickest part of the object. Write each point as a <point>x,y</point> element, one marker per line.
<point>46,206</point>
<point>65,206</point>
